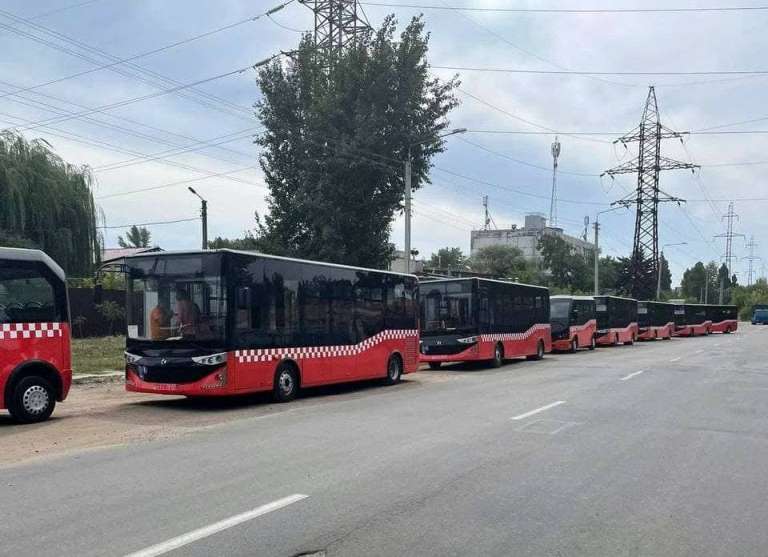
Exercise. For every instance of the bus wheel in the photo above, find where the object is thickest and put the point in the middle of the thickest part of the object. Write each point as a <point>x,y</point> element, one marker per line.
<point>616,339</point>
<point>498,355</point>
<point>593,343</point>
<point>728,331</point>
<point>435,365</point>
<point>539,351</point>
<point>32,400</point>
<point>574,345</point>
<point>286,383</point>
<point>394,370</point>
<point>631,340</point>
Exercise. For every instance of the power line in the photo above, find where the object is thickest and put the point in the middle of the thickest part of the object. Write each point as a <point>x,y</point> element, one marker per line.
<point>606,133</point>
<point>599,73</point>
<point>567,10</point>
<point>148,223</point>
<point>155,50</point>
<point>64,9</point>
<point>134,100</point>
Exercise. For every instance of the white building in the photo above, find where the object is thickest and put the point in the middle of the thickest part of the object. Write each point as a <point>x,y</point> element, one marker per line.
<point>526,239</point>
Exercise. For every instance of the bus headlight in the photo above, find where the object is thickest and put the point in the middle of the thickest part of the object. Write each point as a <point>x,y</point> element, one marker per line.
<point>211,360</point>
<point>467,340</point>
<point>131,358</point>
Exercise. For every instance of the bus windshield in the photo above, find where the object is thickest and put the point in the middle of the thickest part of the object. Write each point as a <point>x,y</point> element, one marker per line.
<point>447,307</point>
<point>559,309</point>
<point>176,299</point>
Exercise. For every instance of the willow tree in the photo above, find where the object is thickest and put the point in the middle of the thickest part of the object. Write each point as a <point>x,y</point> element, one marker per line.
<point>47,203</point>
<point>335,141</point>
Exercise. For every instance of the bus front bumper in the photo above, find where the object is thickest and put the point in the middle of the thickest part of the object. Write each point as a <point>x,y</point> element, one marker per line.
<point>214,384</point>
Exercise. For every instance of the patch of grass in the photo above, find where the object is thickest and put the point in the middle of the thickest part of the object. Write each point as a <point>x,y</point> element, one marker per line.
<point>97,355</point>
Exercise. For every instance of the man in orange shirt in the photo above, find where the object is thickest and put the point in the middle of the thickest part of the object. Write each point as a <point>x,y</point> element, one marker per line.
<point>187,314</point>
<point>160,322</point>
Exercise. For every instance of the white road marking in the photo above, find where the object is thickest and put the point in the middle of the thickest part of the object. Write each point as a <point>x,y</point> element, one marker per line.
<point>537,410</point>
<point>200,533</point>
<point>676,359</point>
<point>631,375</point>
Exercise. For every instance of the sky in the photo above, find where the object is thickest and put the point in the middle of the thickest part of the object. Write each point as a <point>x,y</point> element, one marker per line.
<point>133,125</point>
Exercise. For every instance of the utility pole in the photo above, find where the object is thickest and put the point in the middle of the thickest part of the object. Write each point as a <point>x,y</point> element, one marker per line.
<point>597,257</point>
<point>647,196</point>
<point>730,217</point>
<point>553,202</point>
<point>338,24</point>
<point>751,245</point>
<point>586,229</point>
<point>409,192</point>
<point>488,220</point>
<point>203,216</point>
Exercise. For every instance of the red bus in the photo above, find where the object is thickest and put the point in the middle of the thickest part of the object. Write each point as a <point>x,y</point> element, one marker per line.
<point>35,354</point>
<point>574,322</point>
<point>725,319</point>
<point>655,320</point>
<point>224,322</point>
<point>466,319</point>
<point>691,320</point>
<point>616,320</point>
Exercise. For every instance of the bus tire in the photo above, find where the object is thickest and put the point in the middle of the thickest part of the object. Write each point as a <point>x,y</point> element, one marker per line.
<point>539,352</point>
<point>631,340</point>
<point>435,365</point>
<point>574,345</point>
<point>592,343</point>
<point>728,331</point>
<point>394,370</point>
<point>32,400</point>
<point>286,385</point>
<point>498,355</point>
<point>616,339</point>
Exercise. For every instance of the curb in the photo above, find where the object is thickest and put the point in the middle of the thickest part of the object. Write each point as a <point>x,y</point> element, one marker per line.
<point>91,378</point>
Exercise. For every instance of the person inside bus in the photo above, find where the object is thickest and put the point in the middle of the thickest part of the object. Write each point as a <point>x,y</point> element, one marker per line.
<point>160,321</point>
<point>187,314</point>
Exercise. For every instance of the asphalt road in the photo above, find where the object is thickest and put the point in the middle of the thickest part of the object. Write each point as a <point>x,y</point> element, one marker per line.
<point>655,449</point>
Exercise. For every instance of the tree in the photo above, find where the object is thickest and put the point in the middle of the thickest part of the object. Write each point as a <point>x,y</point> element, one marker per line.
<point>567,269</point>
<point>746,297</point>
<point>448,258</point>
<point>702,281</point>
<point>610,268</point>
<point>335,141</point>
<point>666,275</point>
<point>136,237</point>
<point>47,203</point>
<point>502,262</point>
<point>246,243</point>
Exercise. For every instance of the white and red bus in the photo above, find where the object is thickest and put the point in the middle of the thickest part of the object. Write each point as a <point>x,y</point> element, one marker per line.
<point>725,319</point>
<point>616,320</point>
<point>574,322</point>
<point>466,319</point>
<point>691,320</point>
<point>226,322</point>
<point>655,320</point>
<point>35,353</point>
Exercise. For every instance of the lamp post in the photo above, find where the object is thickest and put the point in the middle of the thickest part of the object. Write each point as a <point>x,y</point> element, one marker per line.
<point>597,247</point>
<point>658,267</point>
<point>203,216</point>
<point>408,193</point>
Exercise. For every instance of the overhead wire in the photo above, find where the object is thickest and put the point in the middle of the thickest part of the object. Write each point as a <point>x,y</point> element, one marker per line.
<point>566,10</point>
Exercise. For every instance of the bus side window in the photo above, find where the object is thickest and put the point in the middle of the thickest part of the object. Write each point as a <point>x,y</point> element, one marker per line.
<point>243,307</point>
<point>26,296</point>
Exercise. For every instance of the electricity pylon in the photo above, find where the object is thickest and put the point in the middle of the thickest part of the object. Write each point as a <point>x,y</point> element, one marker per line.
<point>647,196</point>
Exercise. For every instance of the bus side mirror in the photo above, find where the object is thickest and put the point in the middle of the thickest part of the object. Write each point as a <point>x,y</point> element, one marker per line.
<point>98,294</point>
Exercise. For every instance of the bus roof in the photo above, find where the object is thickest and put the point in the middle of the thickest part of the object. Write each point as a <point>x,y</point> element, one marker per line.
<point>615,298</point>
<point>35,255</point>
<point>655,302</point>
<point>263,256</point>
<point>570,297</point>
<point>455,279</point>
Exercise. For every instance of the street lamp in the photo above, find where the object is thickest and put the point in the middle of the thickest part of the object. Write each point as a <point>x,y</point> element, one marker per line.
<point>203,215</point>
<point>408,192</point>
<point>597,246</point>
<point>658,266</point>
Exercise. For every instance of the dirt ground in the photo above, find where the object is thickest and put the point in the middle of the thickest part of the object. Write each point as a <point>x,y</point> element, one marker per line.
<point>104,414</point>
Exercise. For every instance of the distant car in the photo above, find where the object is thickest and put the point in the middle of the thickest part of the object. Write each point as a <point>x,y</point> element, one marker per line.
<point>760,317</point>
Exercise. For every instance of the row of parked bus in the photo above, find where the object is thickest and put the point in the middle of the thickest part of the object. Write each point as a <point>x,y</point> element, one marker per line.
<point>226,322</point>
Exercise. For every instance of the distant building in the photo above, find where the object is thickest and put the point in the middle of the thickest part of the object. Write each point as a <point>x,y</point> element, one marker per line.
<point>526,239</point>
<point>398,264</point>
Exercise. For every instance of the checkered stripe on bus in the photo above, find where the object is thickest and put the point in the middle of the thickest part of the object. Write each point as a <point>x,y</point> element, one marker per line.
<point>304,352</point>
<point>11,331</point>
<point>515,336</point>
